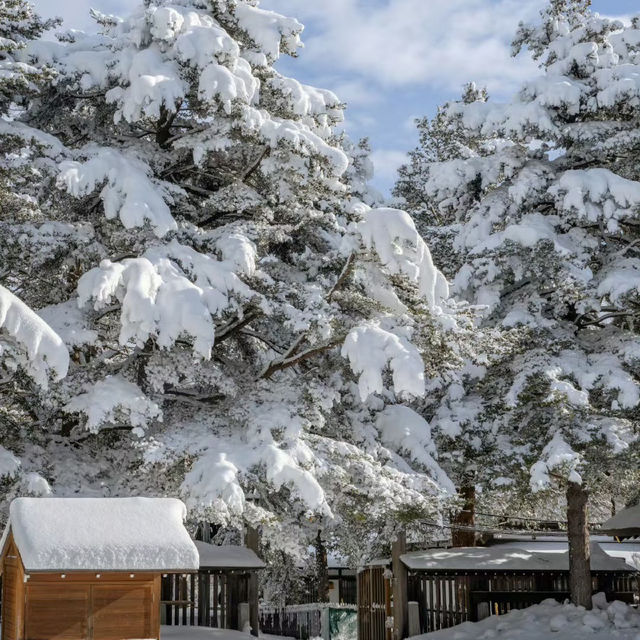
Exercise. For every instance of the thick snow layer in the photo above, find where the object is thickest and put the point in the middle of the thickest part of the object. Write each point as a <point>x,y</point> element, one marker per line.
<point>402,429</point>
<point>43,346</point>
<point>557,453</point>
<point>128,192</point>
<point>371,349</point>
<point>9,464</point>
<point>627,551</point>
<point>69,323</point>
<point>550,619</point>
<point>509,557</point>
<point>203,633</point>
<point>102,534</point>
<point>476,558</point>
<point>393,235</point>
<point>158,298</point>
<point>230,556</point>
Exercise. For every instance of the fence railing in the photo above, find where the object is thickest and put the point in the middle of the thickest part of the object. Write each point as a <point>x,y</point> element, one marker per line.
<point>304,621</point>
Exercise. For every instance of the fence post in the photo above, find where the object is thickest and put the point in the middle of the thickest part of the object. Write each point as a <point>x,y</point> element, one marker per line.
<point>325,623</point>
<point>399,587</point>
<point>252,541</point>
<point>413,609</point>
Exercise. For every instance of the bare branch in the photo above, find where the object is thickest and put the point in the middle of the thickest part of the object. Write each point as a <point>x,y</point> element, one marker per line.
<point>285,363</point>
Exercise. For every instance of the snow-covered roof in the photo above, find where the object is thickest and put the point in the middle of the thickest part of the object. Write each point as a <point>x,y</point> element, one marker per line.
<point>101,534</point>
<point>227,557</point>
<point>628,551</point>
<point>624,523</point>
<point>506,557</point>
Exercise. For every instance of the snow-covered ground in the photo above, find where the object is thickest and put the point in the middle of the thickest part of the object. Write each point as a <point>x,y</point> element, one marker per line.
<point>551,620</point>
<point>206,633</point>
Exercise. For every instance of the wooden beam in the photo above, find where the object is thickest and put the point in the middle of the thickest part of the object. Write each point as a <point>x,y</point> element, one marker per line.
<point>399,587</point>
<point>252,541</point>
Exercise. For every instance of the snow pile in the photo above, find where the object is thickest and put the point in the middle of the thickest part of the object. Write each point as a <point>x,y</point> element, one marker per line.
<point>551,619</point>
<point>101,534</point>
<point>44,348</point>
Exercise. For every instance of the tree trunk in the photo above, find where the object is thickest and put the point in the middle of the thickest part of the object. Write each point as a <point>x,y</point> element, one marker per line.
<point>465,518</point>
<point>322,569</point>
<point>579,547</point>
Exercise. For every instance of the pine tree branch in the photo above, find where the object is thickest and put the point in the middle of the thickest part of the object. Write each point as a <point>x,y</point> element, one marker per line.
<point>254,167</point>
<point>234,326</point>
<point>344,274</point>
<point>285,363</point>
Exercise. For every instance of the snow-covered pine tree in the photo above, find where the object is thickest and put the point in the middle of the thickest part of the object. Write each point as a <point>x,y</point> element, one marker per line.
<point>241,326</point>
<point>549,246</point>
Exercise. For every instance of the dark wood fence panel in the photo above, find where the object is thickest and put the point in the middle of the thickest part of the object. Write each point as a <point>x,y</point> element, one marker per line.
<point>203,599</point>
<point>291,622</point>
<point>373,604</point>
<point>449,599</point>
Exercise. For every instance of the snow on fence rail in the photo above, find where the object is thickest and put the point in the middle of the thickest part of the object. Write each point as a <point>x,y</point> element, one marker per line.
<point>317,619</point>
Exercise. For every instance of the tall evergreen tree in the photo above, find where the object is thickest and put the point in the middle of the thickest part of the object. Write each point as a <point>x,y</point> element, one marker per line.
<point>545,227</point>
<point>241,325</point>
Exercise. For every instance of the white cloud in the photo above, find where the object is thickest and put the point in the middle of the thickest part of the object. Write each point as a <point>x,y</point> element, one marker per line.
<point>386,163</point>
<point>75,13</point>
<point>396,43</point>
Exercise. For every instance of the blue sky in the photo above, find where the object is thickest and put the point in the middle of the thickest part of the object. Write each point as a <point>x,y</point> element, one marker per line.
<point>392,60</point>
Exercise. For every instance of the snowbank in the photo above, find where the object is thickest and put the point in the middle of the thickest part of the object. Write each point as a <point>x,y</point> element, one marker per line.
<point>101,534</point>
<point>551,619</point>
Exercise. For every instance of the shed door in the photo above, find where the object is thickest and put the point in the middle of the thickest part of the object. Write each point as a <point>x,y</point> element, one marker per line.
<point>123,611</point>
<point>57,612</point>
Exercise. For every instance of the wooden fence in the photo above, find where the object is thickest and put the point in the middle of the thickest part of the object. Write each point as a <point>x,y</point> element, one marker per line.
<point>319,619</point>
<point>292,622</point>
<point>448,600</point>
<point>203,599</point>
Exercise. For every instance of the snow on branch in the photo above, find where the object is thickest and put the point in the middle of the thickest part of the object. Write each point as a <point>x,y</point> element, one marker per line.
<point>128,192</point>
<point>270,31</point>
<point>393,236</point>
<point>214,479</point>
<point>110,398</point>
<point>45,351</point>
<point>371,349</point>
<point>159,298</point>
<point>9,464</point>
<point>597,195</point>
<point>557,456</point>
<point>404,430</point>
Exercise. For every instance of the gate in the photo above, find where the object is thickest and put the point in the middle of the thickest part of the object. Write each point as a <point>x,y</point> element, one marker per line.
<point>374,603</point>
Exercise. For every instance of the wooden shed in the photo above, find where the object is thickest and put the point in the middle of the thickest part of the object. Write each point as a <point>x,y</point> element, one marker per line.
<point>90,568</point>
